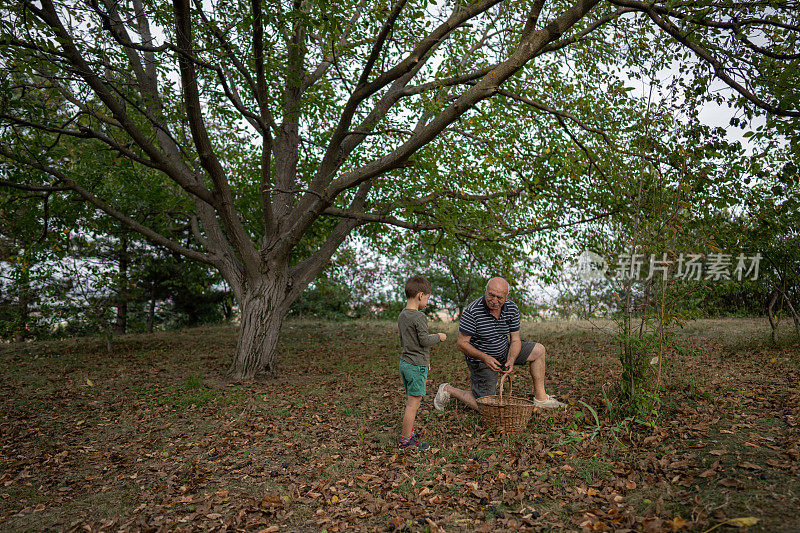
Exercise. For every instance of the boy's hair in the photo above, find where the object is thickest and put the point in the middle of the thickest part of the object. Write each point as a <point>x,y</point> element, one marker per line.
<point>417,284</point>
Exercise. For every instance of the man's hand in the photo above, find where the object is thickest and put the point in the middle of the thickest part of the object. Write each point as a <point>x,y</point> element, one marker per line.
<point>442,337</point>
<point>493,364</point>
<point>509,367</point>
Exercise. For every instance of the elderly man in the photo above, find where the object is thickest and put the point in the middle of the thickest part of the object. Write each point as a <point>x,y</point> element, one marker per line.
<point>488,335</point>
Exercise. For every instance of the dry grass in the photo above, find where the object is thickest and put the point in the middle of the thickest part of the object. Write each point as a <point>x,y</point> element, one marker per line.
<point>153,437</point>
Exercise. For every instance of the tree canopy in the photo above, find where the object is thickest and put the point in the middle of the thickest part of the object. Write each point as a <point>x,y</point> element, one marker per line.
<point>275,129</point>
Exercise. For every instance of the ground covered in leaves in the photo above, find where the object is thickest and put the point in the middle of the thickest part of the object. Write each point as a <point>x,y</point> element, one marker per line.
<point>152,437</point>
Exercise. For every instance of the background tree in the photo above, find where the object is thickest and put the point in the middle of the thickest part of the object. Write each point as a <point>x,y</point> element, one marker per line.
<point>281,127</point>
<point>459,268</point>
<point>34,233</point>
<point>771,224</point>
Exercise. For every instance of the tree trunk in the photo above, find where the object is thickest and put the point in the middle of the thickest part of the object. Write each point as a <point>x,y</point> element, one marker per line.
<point>795,317</point>
<point>123,295</point>
<point>121,325</point>
<point>151,313</point>
<point>23,313</point>
<point>770,314</point>
<point>262,310</point>
<point>785,294</point>
<point>24,301</point>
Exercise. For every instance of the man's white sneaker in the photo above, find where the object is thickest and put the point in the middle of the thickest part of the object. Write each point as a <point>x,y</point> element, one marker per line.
<point>547,403</point>
<point>442,397</point>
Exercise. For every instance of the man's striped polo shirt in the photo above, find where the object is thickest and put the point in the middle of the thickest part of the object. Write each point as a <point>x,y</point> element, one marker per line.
<point>489,334</point>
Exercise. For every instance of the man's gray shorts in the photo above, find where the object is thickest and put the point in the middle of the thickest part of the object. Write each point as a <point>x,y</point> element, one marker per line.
<point>484,381</point>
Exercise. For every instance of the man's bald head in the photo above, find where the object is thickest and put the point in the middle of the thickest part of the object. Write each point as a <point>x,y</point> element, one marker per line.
<point>498,285</point>
<point>496,293</point>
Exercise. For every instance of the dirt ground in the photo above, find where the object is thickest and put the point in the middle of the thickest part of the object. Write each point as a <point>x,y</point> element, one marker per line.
<point>153,438</point>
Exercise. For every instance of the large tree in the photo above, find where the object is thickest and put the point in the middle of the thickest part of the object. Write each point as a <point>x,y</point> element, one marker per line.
<point>281,127</point>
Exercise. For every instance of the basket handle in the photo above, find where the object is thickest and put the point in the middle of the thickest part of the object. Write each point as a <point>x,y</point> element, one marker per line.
<point>502,380</point>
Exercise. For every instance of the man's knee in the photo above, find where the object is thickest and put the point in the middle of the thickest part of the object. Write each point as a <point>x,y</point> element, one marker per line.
<point>538,352</point>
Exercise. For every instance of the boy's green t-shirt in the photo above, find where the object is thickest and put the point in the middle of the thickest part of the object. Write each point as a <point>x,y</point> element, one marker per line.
<point>415,341</point>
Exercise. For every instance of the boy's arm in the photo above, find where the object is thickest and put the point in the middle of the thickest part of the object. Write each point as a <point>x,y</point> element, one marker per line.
<point>425,339</point>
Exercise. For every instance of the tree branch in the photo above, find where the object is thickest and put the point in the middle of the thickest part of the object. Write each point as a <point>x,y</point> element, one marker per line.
<point>83,132</point>
<point>103,206</point>
<point>288,138</point>
<point>589,154</point>
<point>460,195</point>
<point>205,151</point>
<point>262,96</point>
<point>586,31</point>
<point>377,46</point>
<point>557,113</point>
<point>512,232</point>
<point>455,80</point>
<point>34,188</point>
<point>181,175</point>
<point>708,57</point>
<point>267,119</point>
<point>304,272</point>
<point>332,158</point>
<point>327,61</point>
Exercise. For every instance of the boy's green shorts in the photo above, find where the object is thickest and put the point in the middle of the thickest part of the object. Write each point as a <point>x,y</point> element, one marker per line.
<point>414,378</point>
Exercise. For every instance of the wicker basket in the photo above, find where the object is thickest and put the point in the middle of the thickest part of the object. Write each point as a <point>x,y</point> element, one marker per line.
<point>505,413</point>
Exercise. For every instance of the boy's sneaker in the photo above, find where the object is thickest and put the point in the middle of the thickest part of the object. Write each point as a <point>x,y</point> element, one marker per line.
<point>442,397</point>
<point>414,444</point>
<point>548,403</point>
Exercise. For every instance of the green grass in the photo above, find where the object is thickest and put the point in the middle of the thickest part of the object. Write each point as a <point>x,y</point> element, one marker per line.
<point>158,426</point>
<point>592,469</point>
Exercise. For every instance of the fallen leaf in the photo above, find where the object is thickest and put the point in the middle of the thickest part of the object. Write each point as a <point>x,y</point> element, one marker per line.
<point>397,522</point>
<point>270,500</point>
<point>749,466</point>
<point>793,453</point>
<point>434,527</point>
<point>678,465</point>
<point>678,523</point>
<point>746,521</point>
<point>778,464</point>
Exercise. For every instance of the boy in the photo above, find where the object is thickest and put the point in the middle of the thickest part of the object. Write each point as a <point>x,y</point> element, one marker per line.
<point>415,359</point>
